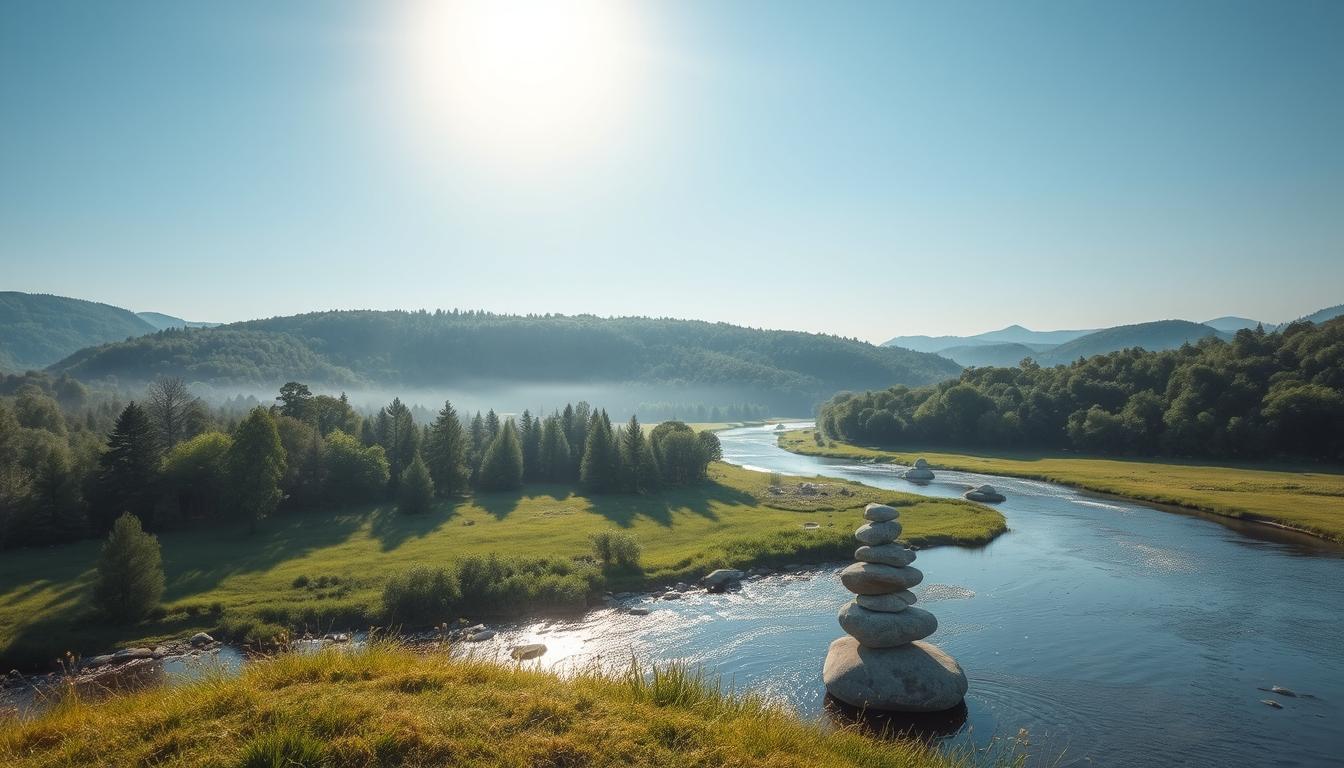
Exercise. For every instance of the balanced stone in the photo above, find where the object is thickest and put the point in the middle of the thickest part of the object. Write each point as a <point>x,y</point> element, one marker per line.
<point>878,579</point>
<point>983,493</point>
<point>873,534</point>
<point>887,554</point>
<point>884,629</point>
<point>915,677</point>
<point>920,471</point>
<point>880,513</point>
<point>892,602</point>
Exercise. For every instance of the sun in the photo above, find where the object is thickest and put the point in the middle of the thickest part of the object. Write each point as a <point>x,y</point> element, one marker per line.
<point>526,80</point>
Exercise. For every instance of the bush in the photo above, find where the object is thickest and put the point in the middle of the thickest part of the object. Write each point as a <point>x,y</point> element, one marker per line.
<point>615,548</point>
<point>421,596</point>
<point>416,494</point>
<point>130,572</point>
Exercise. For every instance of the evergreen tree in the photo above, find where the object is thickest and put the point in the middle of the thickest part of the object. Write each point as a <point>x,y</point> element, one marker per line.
<point>529,433</point>
<point>553,454</point>
<point>502,467</point>
<point>639,472</point>
<point>130,572</point>
<point>599,471</point>
<point>399,438</point>
<point>479,442</point>
<point>578,438</point>
<point>417,488</point>
<point>367,435</point>
<point>127,470</point>
<point>446,453</point>
<point>491,426</point>
<point>256,463</point>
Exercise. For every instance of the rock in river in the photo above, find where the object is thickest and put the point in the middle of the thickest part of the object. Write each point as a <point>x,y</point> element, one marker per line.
<point>886,554</point>
<point>529,651</point>
<point>983,494</point>
<point>877,579</point>
<point>915,677</point>
<point>875,534</point>
<point>919,472</point>
<point>720,579</point>
<point>200,638</point>
<point>880,513</point>
<point>883,629</point>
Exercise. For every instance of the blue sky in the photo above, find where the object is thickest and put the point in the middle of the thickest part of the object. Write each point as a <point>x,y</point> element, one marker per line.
<point>868,169</point>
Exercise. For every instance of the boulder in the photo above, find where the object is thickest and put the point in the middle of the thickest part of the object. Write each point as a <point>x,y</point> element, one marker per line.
<point>920,471</point>
<point>721,578</point>
<point>129,654</point>
<point>880,513</point>
<point>894,602</point>
<point>481,636</point>
<point>672,596</point>
<point>915,677</point>
<point>877,579</point>
<point>983,493</point>
<point>200,638</point>
<point>886,554</point>
<point>637,611</point>
<point>884,629</point>
<point>874,534</point>
<point>529,651</point>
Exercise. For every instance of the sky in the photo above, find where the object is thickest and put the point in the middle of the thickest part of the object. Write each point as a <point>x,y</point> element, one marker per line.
<point>869,169</point>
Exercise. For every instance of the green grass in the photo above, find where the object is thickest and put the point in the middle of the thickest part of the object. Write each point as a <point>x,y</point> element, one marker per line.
<point>391,707</point>
<point>1309,501</point>
<point>320,569</point>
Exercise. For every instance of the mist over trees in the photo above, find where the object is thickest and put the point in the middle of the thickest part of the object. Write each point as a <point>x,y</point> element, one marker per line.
<point>1258,395</point>
<point>74,460</point>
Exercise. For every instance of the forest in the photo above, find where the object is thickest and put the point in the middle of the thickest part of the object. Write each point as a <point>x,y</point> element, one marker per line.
<point>74,459</point>
<point>784,371</point>
<point>1260,395</point>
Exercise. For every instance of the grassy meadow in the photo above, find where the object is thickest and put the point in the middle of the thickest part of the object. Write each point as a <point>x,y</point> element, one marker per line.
<point>1310,501</point>
<point>324,568</point>
<point>389,706</point>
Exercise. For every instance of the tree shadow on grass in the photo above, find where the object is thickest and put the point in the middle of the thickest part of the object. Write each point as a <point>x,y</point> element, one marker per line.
<point>624,509</point>
<point>392,528</point>
<point>500,504</point>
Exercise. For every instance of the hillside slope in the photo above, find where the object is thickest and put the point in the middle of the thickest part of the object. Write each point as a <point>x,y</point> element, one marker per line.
<point>1001,355</point>
<point>37,330</point>
<point>1154,337</point>
<point>783,369</point>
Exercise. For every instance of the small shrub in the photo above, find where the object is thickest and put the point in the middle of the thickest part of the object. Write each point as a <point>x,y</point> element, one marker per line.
<point>130,572</point>
<point>416,491</point>
<point>616,548</point>
<point>300,582</point>
<point>420,596</point>
<point>284,749</point>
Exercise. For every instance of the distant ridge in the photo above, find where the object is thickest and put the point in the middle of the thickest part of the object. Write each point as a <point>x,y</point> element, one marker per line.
<point>1154,337</point>
<point>37,329</point>
<point>163,322</point>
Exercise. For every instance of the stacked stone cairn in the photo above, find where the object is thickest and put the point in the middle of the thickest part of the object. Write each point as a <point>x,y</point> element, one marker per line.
<point>920,472</point>
<point>881,663</point>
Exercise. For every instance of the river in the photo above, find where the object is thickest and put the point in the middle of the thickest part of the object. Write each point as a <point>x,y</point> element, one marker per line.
<point>1112,632</point>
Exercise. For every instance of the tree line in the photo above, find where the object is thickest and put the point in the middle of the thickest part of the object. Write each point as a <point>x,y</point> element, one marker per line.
<point>1260,395</point>
<point>73,461</point>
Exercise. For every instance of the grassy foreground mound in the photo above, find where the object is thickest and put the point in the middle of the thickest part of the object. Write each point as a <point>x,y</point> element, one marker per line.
<point>391,707</point>
<point>1312,502</point>
<point>326,568</point>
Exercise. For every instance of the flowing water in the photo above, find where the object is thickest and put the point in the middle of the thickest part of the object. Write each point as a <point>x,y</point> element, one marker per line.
<point>1114,633</point>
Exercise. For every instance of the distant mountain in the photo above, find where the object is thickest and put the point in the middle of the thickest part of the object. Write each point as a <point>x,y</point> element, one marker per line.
<point>37,330</point>
<point>163,322</point>
<point>786,370</point>
<point>981,355</point>
<point>1154,337</point>
<point>1232,324</point>
<point>1329,313</point>
<point>1013,334</point>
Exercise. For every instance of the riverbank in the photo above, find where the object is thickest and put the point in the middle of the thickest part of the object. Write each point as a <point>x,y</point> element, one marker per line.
<point>1307,501</point>
<point>325,570</point>
<point>391,706</point>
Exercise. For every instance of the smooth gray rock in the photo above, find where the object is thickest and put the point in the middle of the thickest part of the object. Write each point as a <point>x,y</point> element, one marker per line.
<point>915,677</point>
<point>884,629</point>
<point>529,651</point>
<point>983,494</point>
<point>877,579</point>
<point>639,611</point>
<point>672,596</point>
<point>874,534</point>
<point>886,554</point>
<point>920,463</point>
<point>894,602</point>
<point>201,638</point>
<point>129,654</point>
<point>481,636</point>
<point>880,513</point>
<point>919,475</point>
<point>722,578</point>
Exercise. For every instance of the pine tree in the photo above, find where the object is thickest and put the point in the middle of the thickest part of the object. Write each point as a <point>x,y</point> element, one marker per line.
<point>638,470</point>
<point>479,442</point>
<point>491,426</point>
<point>529,433</point>
<point>446,452</point>
<point>127,470</point>
<point>599,471</point>
<point>130,572</point>
<point>556,465</point>
<point>502,467</point>
<point>256,462</point>
<point>399,438</point>
<point>417,488</point>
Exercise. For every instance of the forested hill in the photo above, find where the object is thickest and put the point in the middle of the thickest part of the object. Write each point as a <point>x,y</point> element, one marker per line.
<point>36,329</point>
<point>1154,337</point>
<point>1258,395</point>
<point>423,349</point>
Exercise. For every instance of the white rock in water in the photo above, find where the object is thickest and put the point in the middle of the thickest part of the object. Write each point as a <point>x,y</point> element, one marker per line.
<point>482,636</point>
<point>722,578</point>
<point>880,513</point>
<point>915,677</point>
<point>874,534</point>
<point>886,554</point>
<point>877,579</point>
<point>893,602</point>
<point>884,629</point>
<point>529,651</point>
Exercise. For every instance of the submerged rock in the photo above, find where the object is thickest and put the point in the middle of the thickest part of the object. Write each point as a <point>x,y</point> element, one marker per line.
<point>884,629</point>
<point>637,611</point>
<point>481,636</point>
<point>529,651</point>
<point>721,578</point>
<point>915,677</point>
